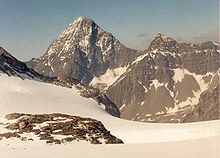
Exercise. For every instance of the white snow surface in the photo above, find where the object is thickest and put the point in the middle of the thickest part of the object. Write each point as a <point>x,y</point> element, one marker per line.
<point>156,83</point>
<point>141,139</point>
<point>109,77</point>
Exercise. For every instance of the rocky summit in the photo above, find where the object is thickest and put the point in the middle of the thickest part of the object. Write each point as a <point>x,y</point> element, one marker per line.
<point>82,51</point>
<point>160,84</point>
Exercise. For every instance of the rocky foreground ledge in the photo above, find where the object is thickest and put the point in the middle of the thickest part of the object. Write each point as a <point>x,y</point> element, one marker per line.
<point>55,128</point>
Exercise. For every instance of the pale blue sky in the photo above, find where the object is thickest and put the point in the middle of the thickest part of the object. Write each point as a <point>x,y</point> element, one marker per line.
<point>27,27</point>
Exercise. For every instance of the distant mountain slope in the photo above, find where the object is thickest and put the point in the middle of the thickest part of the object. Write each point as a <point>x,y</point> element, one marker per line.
<point>167,78</point>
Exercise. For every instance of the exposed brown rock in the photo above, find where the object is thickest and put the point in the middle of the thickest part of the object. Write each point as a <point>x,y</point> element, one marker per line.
<point>10,135</point>
<point>13,116</point>
<point>71,128</point>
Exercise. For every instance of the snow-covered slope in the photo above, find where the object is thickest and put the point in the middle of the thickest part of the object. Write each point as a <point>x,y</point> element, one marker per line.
<point>30,96</point>
<point>200,148</point>
<point>12,67</point>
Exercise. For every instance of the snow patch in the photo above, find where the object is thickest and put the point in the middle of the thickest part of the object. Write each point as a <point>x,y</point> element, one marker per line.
<point>64,64</point>
<point>171,110</point>
<point>122,107</point>
<point>145,88</point>
<point>159,113</point>
<point>139,58</point>
<point>156,84</point>
<point>178,75</point>
<point>109,77</point>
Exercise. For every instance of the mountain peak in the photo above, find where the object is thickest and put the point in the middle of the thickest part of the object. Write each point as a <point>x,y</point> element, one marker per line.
<point>83,18</point>
<point>82,21</point>
<point>163,43</point>
<point>82,26</point>
<point>164,37</point>
<point>160,35</point>
<point>83,50</point>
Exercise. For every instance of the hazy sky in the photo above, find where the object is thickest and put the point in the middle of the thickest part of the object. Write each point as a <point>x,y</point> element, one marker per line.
<point>27,27</point>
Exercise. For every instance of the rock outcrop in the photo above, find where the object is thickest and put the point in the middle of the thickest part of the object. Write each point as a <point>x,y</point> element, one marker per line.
<point>56,129</point>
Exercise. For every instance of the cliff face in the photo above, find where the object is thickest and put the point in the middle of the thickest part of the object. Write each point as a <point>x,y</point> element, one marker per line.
<point>169,77</point>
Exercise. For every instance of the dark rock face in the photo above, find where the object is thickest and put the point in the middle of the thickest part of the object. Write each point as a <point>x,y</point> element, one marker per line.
<point>167,44</point>
<point>197,58</point>
<point>68,128</point>
<point>163,43</point>
<point>201,62</point>
<point>207,109</point>
<point>82,51</point>
<point>11,66</point>
<point>135,86</point>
